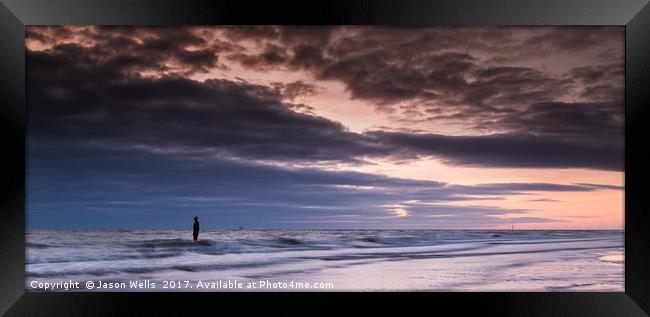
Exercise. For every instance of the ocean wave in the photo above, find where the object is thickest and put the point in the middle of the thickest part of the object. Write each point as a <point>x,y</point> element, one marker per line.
<point>121,254</point>
<point>35,245</point>
<point>171,243</point>
<point>370,239</point>
<point>289,241</point>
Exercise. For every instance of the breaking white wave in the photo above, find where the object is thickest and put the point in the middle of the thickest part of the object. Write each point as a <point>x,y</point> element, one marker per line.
<point>445,260</point>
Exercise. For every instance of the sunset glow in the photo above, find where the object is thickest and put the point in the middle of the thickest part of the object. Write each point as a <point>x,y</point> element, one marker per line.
<point>326,127</point>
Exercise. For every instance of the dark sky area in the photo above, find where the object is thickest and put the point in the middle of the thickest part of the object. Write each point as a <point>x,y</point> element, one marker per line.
<point>324,127</point>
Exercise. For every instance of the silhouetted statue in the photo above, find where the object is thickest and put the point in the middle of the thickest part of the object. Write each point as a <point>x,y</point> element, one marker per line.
<point>196,228</point>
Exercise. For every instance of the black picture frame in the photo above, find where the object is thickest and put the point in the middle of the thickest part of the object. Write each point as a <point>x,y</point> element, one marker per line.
<point>15,14</point>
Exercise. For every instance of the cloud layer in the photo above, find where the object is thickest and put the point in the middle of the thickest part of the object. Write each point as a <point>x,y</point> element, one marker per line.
<point>122,118</point>
<point>73,91</point>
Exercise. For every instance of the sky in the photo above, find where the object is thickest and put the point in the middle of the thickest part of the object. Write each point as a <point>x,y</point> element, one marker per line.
<point>325,127</point>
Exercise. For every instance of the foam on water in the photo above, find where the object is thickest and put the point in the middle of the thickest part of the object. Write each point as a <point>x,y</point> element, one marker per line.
<point>355,259</point>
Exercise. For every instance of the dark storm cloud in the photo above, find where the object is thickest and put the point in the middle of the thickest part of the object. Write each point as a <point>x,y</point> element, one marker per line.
<point>601,82</point>
<point>77,95</point>
<point>512,99</point>
<point>295,89</point>
<point>463,74</point>
<point>423,74</point>
<point>48,34</point>
<point>174,50</point>
<point>595,122</point>
<point>272,56</point>
<point>507,150</point>
<point>72,101</point>
<point>570,39</point>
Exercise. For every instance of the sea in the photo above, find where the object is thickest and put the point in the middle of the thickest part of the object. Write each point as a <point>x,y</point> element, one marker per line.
<point>325,260</point>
